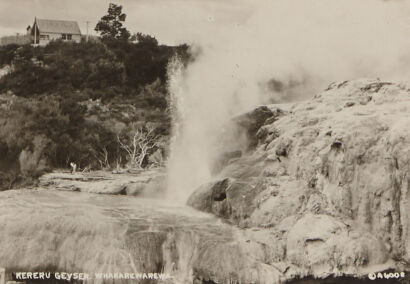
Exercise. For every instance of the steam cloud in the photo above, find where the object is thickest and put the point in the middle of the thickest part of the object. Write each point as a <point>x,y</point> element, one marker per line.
<point>284,50</point>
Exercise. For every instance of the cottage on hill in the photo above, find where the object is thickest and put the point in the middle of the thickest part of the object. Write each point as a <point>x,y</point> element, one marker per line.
<point>44,31</point>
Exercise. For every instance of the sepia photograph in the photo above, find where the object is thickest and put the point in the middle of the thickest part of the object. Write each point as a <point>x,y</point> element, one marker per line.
<point>205,141</point>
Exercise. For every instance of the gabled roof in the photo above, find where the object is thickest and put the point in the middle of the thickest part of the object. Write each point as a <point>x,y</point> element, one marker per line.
<point>57,26</point>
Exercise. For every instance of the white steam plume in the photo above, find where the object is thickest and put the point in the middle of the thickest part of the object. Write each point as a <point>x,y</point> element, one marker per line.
<point>284,50</point>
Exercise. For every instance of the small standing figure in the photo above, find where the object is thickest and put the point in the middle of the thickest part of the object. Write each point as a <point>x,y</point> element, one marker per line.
<point>73,167</point>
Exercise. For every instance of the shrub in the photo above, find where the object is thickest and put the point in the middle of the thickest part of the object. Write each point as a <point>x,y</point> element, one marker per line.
<point>54,84</point>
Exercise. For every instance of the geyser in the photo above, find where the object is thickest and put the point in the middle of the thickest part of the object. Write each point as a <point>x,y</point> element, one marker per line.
<point>278,51</point>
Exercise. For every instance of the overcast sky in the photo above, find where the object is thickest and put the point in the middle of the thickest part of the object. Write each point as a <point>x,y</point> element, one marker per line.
<point>171,21</point>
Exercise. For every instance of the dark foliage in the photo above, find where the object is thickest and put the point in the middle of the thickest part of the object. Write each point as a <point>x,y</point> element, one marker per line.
<point>145,40</point>
<point>110,69</point>
<point>111,25</point>
<point>69,137</point>
<point>7,53</point>
<point>61,67</point>
<point>56,88</point>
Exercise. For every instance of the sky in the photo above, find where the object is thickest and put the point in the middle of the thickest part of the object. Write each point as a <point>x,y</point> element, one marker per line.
<point>170,21</point>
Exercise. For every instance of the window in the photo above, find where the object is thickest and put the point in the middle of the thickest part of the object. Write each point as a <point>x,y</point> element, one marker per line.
<point>66,36</point>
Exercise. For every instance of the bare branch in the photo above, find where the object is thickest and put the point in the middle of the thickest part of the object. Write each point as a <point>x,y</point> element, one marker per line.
<point>142,142</point>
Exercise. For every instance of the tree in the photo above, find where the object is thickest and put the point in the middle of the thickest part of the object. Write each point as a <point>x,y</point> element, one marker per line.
<point>144,39</point>
<point>142,142</point>
<point>111,25</point>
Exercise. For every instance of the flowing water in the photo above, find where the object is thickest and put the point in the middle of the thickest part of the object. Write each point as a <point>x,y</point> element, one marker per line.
<point>45,230</point>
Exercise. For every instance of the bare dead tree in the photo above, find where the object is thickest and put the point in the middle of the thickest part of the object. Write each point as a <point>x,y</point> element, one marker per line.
<point>143,140</point>
<point>102,158</point>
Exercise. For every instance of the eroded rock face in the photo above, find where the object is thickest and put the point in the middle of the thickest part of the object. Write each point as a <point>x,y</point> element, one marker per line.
<point>250,123</point>
<point>329,178</point>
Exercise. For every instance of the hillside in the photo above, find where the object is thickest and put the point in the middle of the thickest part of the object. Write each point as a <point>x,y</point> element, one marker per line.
<point>322,184</point>
<point>69,102</point>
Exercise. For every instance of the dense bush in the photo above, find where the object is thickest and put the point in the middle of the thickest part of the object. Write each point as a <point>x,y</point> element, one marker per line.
<point>122,66</point>
<point>66,136</point>
<point>60,66</point>
<point>59,86</point>
<point>7,54</point>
